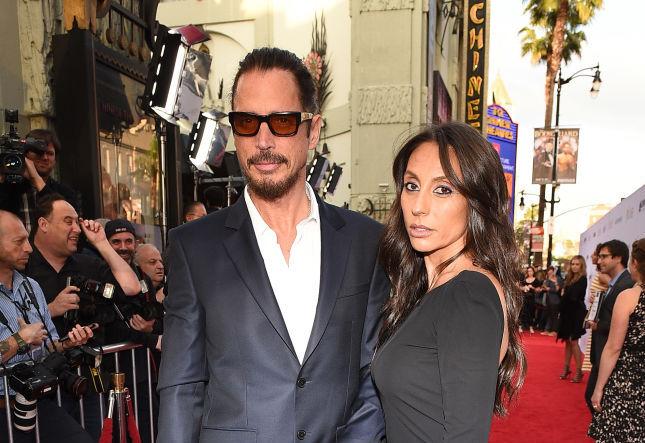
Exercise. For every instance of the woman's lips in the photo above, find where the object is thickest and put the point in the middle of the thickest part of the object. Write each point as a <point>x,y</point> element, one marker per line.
<point>419,231</point>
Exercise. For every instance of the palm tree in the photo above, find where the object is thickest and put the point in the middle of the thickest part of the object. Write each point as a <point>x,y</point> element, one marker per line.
<point>554,35</point>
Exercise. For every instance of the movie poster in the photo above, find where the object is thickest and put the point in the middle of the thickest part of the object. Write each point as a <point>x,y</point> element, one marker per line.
<point>543,151</point>
<point>567,163</point>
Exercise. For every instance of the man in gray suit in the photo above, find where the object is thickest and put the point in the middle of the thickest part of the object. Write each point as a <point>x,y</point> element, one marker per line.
<point>612,260</point>
<point>274,303</point>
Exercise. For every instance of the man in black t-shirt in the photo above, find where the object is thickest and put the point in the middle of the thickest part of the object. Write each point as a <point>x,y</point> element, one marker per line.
<point>55,259</point>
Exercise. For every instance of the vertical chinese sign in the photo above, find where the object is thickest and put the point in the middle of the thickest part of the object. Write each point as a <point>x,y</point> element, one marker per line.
<point>501,132</point>
<point>476,49</point>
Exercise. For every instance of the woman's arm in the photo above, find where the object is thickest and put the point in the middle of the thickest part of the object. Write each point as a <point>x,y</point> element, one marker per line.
<point>625,305</point>
<point>469,336</point>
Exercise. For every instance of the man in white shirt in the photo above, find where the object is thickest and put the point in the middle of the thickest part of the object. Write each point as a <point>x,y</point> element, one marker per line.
<point>274,302</point>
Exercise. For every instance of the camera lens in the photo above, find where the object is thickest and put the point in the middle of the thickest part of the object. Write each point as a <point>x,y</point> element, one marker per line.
<point>24,413</point>
<point>73,383</point>
<point>12,162</point>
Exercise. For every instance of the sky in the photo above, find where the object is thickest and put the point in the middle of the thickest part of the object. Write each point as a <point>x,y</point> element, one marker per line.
<point>611,158</point>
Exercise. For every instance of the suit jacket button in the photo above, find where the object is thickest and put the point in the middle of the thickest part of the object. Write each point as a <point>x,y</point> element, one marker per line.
<point>301,382</point>
<point>301,434</point>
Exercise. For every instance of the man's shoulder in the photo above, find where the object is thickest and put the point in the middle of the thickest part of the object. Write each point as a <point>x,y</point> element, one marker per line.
<point>624,281</point>
<point>353,219</point>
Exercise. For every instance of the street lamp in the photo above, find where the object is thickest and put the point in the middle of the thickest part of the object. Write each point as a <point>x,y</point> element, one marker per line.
<point>559,81</point>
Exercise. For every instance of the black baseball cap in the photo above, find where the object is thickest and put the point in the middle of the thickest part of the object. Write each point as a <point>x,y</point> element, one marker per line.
<point>116,226</point>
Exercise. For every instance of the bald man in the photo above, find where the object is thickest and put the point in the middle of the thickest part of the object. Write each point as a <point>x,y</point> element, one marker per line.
<point>27,332</point>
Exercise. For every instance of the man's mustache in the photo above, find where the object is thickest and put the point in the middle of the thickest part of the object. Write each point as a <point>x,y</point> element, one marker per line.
<point>266,157</point>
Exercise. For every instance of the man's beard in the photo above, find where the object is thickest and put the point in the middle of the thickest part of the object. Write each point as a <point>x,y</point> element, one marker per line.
<point>266,188</point>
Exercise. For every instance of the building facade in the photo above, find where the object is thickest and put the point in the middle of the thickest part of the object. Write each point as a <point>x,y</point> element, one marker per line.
<point>80,66</point>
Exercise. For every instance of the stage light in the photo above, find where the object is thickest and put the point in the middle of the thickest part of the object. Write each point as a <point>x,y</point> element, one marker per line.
<point>177,75</point>
<point>316,171</point>
<point>208,141</point>
<point>332,180</point>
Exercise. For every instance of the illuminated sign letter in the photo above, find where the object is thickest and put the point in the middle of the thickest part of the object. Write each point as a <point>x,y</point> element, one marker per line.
<point>473,13</point>
<point>476,37</point>
<point>475,85</point>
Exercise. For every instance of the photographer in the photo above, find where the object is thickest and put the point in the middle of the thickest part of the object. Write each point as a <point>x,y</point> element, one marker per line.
<point>20,198</point>
<point>25,327</point>
<point>121,236</point>
<point>148,258</point>
<point>55,260</point>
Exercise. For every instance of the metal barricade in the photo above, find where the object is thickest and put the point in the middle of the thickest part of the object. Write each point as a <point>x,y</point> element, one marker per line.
<point>117,349</point>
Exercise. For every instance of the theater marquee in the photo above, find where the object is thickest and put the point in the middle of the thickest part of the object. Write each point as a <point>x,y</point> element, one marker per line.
<point>476,41</point>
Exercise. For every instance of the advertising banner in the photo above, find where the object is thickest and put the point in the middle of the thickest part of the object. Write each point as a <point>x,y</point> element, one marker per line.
<point>567,163</point>
<point>544,142</point>
<point>537,239</point>
<point>501,132</point>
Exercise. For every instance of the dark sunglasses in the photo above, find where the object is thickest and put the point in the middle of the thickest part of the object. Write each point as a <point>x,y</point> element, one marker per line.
<point>281,124</point>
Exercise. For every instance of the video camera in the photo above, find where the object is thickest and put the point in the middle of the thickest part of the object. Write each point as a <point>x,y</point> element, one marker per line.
<point>35,380</point>
<point>13,149</point>
<point>96,301</point>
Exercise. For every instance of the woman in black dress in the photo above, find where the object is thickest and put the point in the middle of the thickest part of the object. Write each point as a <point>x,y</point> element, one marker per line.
<point>449,354</point>
<point>530,287</point>
<point>572,316</point>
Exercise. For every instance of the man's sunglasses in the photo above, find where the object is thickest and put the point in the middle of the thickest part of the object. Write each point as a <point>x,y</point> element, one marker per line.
<point>281,124</point>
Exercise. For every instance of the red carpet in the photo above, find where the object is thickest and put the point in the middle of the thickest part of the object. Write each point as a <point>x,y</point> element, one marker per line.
<point>548,409</point>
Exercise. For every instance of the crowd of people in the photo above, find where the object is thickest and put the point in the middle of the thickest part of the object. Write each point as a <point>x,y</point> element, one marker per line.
<point>92,282</point>
<point>609,301</point>
<point>285,318</point>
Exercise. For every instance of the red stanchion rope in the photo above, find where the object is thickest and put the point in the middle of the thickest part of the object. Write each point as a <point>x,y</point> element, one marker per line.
<point>106,433</point>
<point>132,424</point>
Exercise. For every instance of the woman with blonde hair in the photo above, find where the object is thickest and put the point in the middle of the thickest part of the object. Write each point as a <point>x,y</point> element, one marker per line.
<point>620,389</point>
<point>572,316</point>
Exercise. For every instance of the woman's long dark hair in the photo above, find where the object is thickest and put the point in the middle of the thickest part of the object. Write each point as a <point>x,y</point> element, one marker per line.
<point>489,240</point>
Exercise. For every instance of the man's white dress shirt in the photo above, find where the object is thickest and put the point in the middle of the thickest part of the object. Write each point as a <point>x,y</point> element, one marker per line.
<point>296,283</point>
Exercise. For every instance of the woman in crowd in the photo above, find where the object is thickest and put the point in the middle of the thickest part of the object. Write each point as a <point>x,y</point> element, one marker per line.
<point>618,397</point>
<point>552,286</point>
<point>572,316</point>
<point>449,353</point>
<point>530,287</point>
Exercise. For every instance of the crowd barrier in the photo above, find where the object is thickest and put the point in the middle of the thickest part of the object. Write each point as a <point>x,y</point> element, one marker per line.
<point>117,349</point>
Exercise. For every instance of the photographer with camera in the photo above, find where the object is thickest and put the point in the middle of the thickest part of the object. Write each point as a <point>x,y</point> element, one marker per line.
<point>40,150</point>
<point>143,311</point>
<point>25,327</point>
<point>79,288</point>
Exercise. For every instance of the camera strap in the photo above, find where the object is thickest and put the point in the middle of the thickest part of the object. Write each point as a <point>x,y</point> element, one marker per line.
<point>32,297</point>
<point>20,307</point>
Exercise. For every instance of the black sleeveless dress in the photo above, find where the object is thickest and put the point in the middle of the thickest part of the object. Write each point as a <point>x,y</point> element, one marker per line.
<point>622,415</point>
<point>437,373</point>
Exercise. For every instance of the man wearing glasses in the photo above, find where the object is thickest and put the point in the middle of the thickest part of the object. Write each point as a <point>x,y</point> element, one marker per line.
<point>275,302</point>
<point>612,260</point>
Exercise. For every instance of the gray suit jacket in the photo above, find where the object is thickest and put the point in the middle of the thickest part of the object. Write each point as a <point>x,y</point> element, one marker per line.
<point>229,373</point>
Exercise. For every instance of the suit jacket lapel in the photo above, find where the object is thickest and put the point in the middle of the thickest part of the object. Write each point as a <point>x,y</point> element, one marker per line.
<point>243,249</point>
<point>335,246</point>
